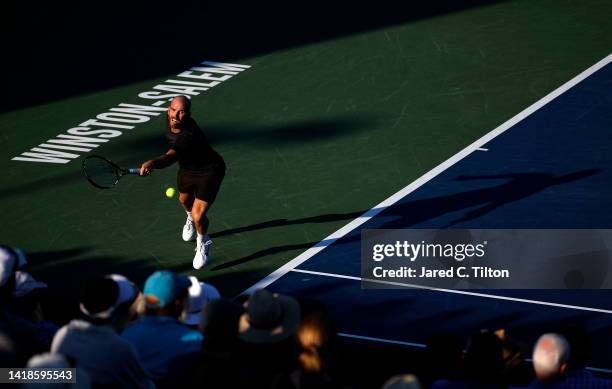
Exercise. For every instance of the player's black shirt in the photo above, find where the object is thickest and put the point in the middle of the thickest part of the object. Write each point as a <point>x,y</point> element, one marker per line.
<point>192,148</point>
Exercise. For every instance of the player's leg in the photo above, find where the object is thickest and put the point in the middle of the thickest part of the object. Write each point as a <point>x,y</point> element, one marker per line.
<point>184,183</point>
<point>198,211</point>
<point>205,193</point>
<point>189,229</point>
<point>186,200</point>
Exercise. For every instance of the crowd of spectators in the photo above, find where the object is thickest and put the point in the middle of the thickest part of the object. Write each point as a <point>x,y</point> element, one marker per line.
<point>180,332</point>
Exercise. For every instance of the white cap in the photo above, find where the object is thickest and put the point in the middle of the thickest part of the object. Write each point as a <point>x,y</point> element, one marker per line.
<point>127,293</point>
<point>127,290</point>
<point>200,294</point>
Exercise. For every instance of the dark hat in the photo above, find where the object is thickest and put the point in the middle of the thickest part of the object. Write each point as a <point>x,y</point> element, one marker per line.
<point>269,317</point>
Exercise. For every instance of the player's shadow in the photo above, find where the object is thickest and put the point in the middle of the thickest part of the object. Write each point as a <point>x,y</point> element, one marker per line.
<point>411,213</point>
<point>517,187</point>
<point>332,217</point>
<point>264,253</point>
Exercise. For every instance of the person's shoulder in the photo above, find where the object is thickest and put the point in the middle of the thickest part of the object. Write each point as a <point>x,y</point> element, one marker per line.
<point>135,328</point>
<point>584,378</point>
<point>186,333</point>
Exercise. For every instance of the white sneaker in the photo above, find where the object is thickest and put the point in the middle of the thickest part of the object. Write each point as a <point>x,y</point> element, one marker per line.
<point>202,255</point>
<point>189,231</point>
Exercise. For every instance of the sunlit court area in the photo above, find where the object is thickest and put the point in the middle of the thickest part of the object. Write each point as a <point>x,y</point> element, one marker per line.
<point>198,194</point>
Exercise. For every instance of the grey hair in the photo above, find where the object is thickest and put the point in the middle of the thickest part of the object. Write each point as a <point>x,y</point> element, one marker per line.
<point>550,353</point>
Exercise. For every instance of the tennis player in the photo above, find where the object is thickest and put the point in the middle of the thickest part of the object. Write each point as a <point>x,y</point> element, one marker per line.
<point>201,170</point>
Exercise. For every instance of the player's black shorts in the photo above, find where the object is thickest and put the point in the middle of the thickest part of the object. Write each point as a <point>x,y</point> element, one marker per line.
<point>204,183</point>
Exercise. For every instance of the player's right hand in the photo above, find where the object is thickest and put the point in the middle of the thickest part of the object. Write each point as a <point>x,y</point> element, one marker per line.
<point>146,168</point>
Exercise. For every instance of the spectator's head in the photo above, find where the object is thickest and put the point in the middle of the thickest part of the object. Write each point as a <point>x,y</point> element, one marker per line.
<point>550,357</point>
<point>316,336</point>
<point>28,294</point>
<point>402,381</point>
<point>200,294</point>
<point>269,318</point>
<point>11,259</point>
<point>126,305</point>
<point>105,300</point>
<point>484,357</point>
<point>26,284</point>
<point>220,324</point>
<point>165,293</point>
<point>98,299</point>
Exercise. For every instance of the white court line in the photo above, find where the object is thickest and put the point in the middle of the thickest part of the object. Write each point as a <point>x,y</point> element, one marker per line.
<point>425,178</point>
<point>482,149</point>
<point>455,291</point>
<point>381,340</point>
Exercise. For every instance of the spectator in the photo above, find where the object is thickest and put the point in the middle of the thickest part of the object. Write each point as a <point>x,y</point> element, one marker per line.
<point>484,363</point>
<point>167,348</point>
<point>484,358</point>
<point>267,331</point>
<point>11,260</point>
<point>405,381</point>
<point>22,333</point>
<point>27,297</point>
<point>218,359</point>
<point>126,311</point>
<point>57,361</point>
<point>577,376</point>
<point>550,357</point>
<point>200,294</point>
<point>220,325</point>
<point>316,336</point>
<point>25,284</point>
<point>94,343</point>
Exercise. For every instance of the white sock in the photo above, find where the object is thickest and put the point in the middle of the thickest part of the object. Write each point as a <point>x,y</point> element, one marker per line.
<point>200,239</point>
<point>189,215</point>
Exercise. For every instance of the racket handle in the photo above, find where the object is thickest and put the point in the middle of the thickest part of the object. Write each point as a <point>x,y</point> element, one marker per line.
<point>134,170</point>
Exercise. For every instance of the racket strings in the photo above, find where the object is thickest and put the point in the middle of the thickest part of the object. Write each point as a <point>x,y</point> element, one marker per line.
<point>101,172</point>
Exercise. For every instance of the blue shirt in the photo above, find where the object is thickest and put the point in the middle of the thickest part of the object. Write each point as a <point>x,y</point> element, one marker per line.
<point>166,347</point>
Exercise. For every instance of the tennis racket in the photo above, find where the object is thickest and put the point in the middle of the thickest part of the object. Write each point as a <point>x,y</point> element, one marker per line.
<point>102,173</point>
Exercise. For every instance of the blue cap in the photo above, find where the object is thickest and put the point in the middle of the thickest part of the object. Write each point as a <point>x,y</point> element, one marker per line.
<point>164,287</point>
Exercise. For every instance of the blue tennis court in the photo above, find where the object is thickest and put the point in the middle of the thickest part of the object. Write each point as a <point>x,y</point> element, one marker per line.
<point>549,167</point>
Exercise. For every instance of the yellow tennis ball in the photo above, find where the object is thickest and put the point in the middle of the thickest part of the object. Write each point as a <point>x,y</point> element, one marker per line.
<point>170,192</point>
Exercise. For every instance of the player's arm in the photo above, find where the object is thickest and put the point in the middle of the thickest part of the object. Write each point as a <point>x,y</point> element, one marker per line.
<point>160,162</point>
